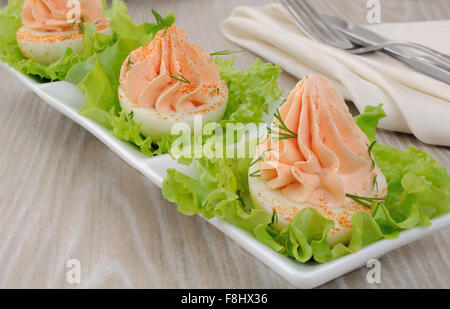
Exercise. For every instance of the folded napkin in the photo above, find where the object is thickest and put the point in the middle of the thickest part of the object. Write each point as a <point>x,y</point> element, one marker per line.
<point>414,103</point>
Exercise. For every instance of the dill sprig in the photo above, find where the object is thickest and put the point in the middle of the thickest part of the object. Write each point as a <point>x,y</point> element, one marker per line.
<point>226,52</point>
<point>281,130</point>
<point>274,217</point>
<point>362,199</point>
<point>258,172</point>
<point>81,26</point>
<point>181,78</point>
<point>260,157</point>
<point>370,153</point>
<point>369,150</point>
<point>375,182</point>
<point>129,63</point>
<point>255,174</point>
<point>161,21</point>
<point>240,197</point>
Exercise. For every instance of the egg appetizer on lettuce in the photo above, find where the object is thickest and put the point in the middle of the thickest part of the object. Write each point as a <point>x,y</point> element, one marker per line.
<point>316,156</point>
<point>48,29</point>
<point>171,80</point>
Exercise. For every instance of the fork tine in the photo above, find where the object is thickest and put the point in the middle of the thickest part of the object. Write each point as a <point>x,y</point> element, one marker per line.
<point>336,38</point>
<point>301,18</point>
<point>312,17</point>
<point>313,25</point>
<point>319,33</point>
<point>300,21</point>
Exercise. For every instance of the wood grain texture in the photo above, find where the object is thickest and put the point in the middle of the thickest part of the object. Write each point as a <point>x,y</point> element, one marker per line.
<point>64,195</point>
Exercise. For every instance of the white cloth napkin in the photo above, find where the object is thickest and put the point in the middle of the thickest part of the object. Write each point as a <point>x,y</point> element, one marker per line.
<point>414,103</point>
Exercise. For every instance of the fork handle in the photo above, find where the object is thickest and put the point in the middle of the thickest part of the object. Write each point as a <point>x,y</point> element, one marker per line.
<point>424,67</point>
<point>432,56</point>
<point>441,58</point>
<point>421,47</point>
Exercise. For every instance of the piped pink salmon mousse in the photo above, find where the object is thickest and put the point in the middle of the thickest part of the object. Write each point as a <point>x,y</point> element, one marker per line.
<point>48,27</point>
<point>54,15</point>
<point>327,158</point>
<point>172,75</point>
<point>171,82</point>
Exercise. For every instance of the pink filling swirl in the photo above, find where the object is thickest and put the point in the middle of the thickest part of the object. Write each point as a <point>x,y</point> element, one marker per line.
<point>170,74</point>
<point>55,15</point>
<point>328,158</point>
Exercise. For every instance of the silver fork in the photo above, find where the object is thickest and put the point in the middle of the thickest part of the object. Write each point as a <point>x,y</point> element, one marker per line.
<point>420,47</point>
<point>313,25</point>
<point>430,55</point>
<point>302,15</point>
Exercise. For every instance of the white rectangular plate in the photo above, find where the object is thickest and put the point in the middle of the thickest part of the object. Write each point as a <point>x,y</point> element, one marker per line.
<point>66,98</point>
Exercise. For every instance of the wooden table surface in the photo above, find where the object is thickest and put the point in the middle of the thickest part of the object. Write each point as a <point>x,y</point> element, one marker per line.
<point>64,195</point>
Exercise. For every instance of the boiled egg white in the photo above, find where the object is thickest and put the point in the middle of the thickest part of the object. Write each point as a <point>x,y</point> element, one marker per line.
<point>268,199</point>
<point>154,123</point>
<point>48,47</point>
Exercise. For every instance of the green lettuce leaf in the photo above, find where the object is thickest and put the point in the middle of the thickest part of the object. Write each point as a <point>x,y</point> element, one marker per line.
<point>94,42</point>
<point>123,26</point>
<point>118,8</point>
<point>249,90</point>
<point>128,130</point>
<point>418,191</point>
<point>216,193</point>
<point>100,83</point>
<point>99,100</point>
<point>368,120</point>
<point>418,186</point>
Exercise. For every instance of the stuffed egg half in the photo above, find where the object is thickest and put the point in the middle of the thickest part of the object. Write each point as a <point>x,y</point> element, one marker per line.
<point>48,29</point>
<point>317,161</point>
<point>171,80</point>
